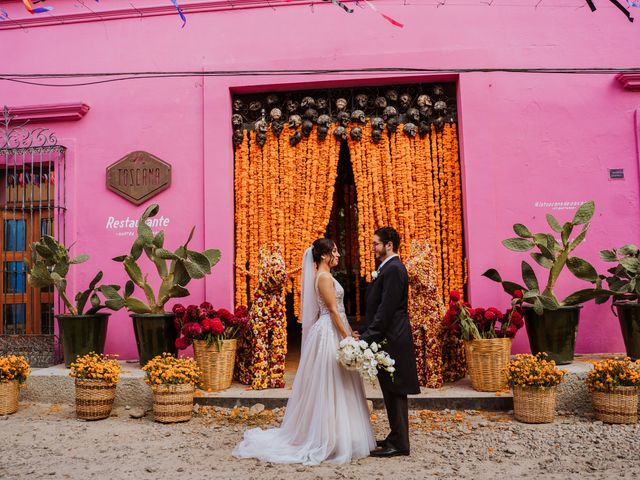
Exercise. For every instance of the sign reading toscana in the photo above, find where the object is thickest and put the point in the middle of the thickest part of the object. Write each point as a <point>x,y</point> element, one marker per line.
<point>138,176</point>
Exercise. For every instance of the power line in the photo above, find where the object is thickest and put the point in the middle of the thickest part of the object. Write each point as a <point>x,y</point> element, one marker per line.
<point>34,79</point>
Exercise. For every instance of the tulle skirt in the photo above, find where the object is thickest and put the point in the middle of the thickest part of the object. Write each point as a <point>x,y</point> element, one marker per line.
<point>326,420</point>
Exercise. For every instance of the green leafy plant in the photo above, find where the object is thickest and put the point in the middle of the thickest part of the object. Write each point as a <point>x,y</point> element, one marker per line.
<point>49,265</point>
<point>623,279</point>
<point>553,254</point>
<point>176,269</point>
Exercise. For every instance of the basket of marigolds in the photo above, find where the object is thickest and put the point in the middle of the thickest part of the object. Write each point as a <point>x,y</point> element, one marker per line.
<point>534,380</point>
<point>96,376</point>
<point>173,381</point>
<point>614,390</point>
<point>14,372</point>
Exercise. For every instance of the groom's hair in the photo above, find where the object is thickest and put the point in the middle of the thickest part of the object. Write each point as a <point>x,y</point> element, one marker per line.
<point>389,234</point>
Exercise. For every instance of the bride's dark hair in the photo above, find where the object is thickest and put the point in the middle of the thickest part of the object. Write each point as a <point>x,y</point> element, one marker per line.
<point>321,246</point>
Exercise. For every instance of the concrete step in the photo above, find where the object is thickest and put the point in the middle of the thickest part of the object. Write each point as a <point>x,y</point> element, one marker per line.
<point>53,385</point>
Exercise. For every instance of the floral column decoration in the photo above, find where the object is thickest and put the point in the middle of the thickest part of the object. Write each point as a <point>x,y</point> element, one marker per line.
<point>262,356</point>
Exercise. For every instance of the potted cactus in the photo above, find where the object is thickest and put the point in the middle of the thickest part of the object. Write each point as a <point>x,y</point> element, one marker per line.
<point>154,328</point>
<point>552,324</point>
<point>81,331</point>
<point>624,282</point>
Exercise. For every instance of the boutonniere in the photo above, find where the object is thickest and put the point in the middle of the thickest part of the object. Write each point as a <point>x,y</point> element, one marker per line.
<point>374,274</point>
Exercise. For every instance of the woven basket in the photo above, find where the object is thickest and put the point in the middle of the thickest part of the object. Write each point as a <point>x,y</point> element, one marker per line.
<point>216,366</point>
<point>172,403</point>
<point>534,404</point>
<point>486,361</point>
<point>617,406</point>
<point>9,392</point>
<point>94,399</point>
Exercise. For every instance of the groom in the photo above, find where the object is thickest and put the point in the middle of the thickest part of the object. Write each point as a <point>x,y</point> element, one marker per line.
<point>387,319</point>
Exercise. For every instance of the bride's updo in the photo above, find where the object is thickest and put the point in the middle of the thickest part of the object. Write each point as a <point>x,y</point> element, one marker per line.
<point>321,247</point>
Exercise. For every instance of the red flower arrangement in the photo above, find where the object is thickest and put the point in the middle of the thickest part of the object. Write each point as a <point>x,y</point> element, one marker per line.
<point>477,323</point>
<point>203,322</point>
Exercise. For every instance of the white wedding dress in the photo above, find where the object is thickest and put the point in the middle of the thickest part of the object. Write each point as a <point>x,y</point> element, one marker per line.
<point>327,419</point>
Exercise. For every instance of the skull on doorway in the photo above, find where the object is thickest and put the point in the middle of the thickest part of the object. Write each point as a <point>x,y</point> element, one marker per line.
<point>391,95</point>
<point>377,123</point>
<point>322,132</point>
<point>295,139</point>
<point>238,136</point>
<point>392,124</point>
<point>295,121</point>
<point>439,123</point>
<point>424,101</point>
<point>405,101</point>
<point>292,106</point>
<point>238,105</point>
<point>236,120</point>
<point>440,107</point>
<point>356,133</point>
<point>311,114</point>
<point>413,115</point>
<point>424,128</point>
<point>322,104</point>
<point>255,106</point>
<point>361,101</point>
<point>324,120</point>
<point>308,102</point>
<point>358,116</point>
<point>275,114</point>
<point>376,135</point>
<point>343,118</point>
<point>389,112</point>
<point>341,104</point>
<point>340,133</point>
<point>381,102</point>
<point>272,100</point>
<point>260,126</point>
<point>261,138</point>
<point>307,127</point>
<point>426,112</point>
<point>438,90</point>
<point>277,127</point>
<point>410,129</point>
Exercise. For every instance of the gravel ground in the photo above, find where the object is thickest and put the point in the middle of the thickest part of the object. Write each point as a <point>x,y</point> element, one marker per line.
<point>47,441</point>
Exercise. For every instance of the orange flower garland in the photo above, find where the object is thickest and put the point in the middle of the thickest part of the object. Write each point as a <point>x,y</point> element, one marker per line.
<point>284,194</point>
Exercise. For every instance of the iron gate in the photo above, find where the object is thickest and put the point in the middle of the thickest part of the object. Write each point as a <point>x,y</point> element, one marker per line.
<point>33,203</point>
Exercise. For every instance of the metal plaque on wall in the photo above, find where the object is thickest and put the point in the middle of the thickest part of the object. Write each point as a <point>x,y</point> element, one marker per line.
<point>138,176</point>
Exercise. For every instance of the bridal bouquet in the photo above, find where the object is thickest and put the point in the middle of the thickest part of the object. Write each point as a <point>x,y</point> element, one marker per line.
<point>365,358</point>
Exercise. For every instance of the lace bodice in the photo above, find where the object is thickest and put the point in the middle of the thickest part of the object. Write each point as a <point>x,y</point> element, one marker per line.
<point>339,296</point>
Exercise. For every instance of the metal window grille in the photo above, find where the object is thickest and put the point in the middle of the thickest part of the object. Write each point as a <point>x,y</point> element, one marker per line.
<point>33,203</point>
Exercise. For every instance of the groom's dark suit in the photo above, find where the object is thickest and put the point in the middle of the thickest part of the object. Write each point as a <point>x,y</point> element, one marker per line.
<point>387,319</point>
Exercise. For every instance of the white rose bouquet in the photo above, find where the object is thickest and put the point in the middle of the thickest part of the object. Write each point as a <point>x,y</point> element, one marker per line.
<point>366,359</point>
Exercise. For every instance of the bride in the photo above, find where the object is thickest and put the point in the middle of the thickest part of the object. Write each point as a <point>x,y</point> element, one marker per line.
<point>327,419</point>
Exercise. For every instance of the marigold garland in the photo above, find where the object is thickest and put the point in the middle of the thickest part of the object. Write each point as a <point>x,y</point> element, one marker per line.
<point>284,194</point>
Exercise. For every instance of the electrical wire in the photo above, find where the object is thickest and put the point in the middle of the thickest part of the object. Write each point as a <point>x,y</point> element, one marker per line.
<point>34,78</point>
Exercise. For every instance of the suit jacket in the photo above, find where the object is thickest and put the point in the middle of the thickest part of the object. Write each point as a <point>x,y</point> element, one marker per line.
<point>387,319</point>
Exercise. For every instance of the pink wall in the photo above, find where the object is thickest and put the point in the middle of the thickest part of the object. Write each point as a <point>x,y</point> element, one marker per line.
<point>525,138</point>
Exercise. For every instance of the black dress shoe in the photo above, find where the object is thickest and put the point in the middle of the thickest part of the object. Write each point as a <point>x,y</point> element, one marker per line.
<point>381,443</point>
<point>388,452</point>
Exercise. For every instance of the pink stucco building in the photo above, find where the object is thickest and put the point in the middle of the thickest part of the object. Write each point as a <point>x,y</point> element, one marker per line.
<point>532,141</point>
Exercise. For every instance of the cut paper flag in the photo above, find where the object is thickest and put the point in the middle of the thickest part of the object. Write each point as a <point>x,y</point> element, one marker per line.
<point>184,19</point>
<point>386,17</point>
<point>29,6</point>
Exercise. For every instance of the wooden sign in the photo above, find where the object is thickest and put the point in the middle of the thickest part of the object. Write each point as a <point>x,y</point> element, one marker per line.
<point>138,176</point>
